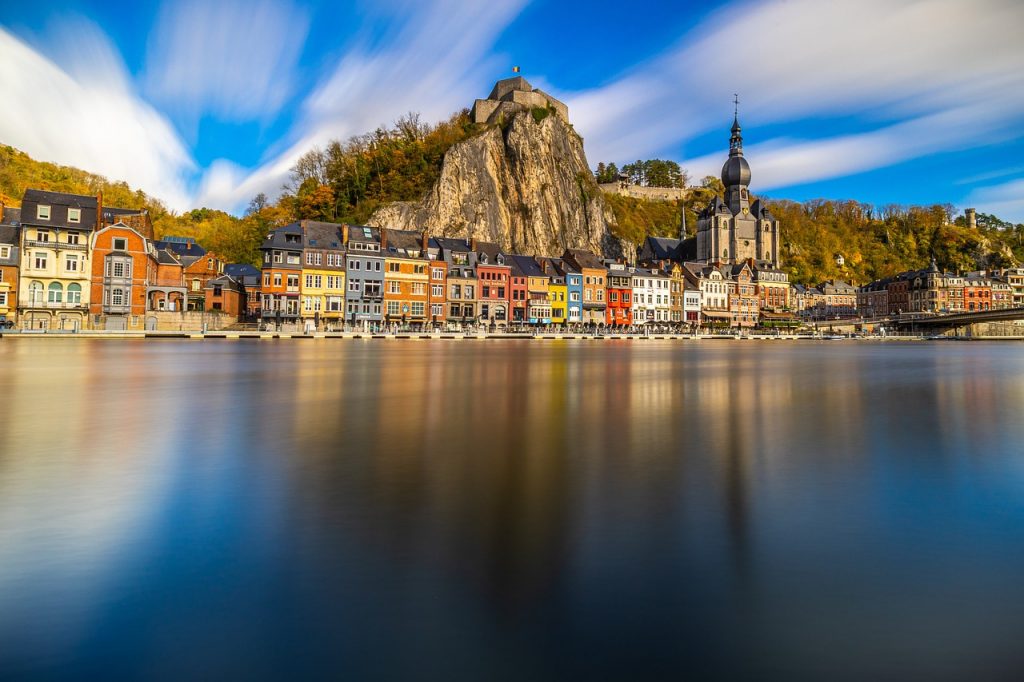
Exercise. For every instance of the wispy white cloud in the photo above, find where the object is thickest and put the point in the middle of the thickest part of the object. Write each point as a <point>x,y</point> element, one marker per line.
<point>1005,200</point>
<point>235,59</point>
<point>923,76</point>
<point>434,59</point>
<point>87,115</point>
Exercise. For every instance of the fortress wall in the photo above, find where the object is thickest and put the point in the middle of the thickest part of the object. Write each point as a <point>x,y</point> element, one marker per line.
<point>649,193</point>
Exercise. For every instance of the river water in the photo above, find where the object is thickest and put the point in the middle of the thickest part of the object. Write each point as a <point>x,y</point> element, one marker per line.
<point>511,510</point>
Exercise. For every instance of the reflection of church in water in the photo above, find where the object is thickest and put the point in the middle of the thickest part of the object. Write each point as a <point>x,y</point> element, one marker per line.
<point>733,230</point>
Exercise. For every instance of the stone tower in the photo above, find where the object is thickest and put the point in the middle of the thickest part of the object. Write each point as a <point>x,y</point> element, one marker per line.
<point>736,230</point>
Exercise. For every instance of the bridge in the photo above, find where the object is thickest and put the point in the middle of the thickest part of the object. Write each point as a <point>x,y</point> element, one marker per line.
<point>954,320</point>
<point>923,322</point>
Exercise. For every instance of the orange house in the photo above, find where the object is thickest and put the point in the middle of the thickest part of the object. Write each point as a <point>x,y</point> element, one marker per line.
<point>121,270</point>
<point>406,276</point>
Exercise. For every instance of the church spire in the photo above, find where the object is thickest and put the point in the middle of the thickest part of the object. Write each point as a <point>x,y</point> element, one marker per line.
<point>736,141</point>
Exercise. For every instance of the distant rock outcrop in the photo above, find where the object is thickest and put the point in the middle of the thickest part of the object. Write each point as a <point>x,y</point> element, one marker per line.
<point>524,184</point>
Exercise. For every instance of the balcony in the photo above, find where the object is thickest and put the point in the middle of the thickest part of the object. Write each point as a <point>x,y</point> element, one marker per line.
<point>55,305</point>
<point>55,245</point>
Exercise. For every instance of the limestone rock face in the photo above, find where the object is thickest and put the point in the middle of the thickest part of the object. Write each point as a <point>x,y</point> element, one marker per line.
<point>526,187</point>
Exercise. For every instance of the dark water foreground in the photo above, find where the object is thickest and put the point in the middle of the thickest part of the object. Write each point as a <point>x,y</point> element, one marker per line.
<point>511,510</point>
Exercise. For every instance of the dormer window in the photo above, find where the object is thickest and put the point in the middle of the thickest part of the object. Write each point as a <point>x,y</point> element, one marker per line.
<point>120,244</point>
<point>74,215</point>
<point>42,212</point>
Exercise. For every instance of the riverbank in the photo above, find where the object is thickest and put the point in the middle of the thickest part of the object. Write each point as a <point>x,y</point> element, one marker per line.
<point>542,336</point>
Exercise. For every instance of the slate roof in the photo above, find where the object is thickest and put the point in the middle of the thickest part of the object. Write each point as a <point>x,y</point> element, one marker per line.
<point>12,216</point>
<point>405,243</point>
<point>492,251</point>
<point>278,238</point>
<point>8,234</point>
<point>363,233</point>
<point>187,248</point>
<point>660,248</point>
<point>318,235</point>
<point>583,259</point>
<point>528,266</point>
<point>165,257</point>
<point>45,197</point>
<point>226,281</point>
<point>239,270</point>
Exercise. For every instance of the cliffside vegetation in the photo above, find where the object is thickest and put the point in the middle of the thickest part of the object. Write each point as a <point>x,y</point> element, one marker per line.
<point>348,181</point>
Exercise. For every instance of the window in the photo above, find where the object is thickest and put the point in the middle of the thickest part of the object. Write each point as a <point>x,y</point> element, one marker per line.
<point>419,288</point>
<point>394,287</point>
<point>42,212</point>
<point>5,252</point>
<point>119,272</point>
<point>74,215</point>
<point>354,265</point>
<point>71,263</point>
<point>120,244</point>
<point>40,260</point>
<point>54,293</point>
<point>501,292</point>
<point>309,281</point>
<point>394,267</point>
<point>318,281</point>
<point>293,282</point>
<point>418,308</point>
<point>293,259</point>
<point>436,310</point>
<point>73,237</point>
<point>437,291</point>
<point>437,273</point>
<point>485,292</point>
<point>468,290</point>
<point>376,266</point>
<point>42,235</point>
<point>392,307</point>
<point>277,257</point>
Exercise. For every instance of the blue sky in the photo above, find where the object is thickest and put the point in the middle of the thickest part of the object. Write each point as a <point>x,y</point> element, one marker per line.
<point>208,103</point>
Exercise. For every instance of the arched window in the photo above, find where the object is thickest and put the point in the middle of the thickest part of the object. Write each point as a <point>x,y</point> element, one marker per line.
<point>54,292</point>
<point>74,293</point>
<point>117,297</point>
<point>35,293</point>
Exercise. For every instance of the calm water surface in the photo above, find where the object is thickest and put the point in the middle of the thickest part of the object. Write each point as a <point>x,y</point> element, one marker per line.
<point>511,510</point>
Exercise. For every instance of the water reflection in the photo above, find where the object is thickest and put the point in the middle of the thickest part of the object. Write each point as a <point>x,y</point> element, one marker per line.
<point>519,509</point>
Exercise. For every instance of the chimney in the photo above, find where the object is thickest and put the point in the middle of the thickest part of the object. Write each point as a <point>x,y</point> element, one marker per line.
<point>424,242</point>
<point>472,244</point>
<point>383,238</point>
<point>99,209</point>
<point>344,235</point>
<point>972,218</point>
<point>1,211</point>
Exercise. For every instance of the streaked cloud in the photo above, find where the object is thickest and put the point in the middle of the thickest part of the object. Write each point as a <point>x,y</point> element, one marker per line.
<point>235,59</point>
<point>1005,200</point>
<point>435,59</point>
<point>87,115</point>
<point>909,69</point>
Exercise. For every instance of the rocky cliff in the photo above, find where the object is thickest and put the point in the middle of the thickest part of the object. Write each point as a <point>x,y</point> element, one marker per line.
<point>525,185</point>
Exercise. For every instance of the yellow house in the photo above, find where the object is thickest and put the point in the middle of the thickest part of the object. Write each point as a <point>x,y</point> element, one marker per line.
<point>322,284</point>
<point>56,273</point>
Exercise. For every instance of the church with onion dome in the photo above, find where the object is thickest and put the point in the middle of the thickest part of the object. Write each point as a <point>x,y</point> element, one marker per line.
<point>734,230</point>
